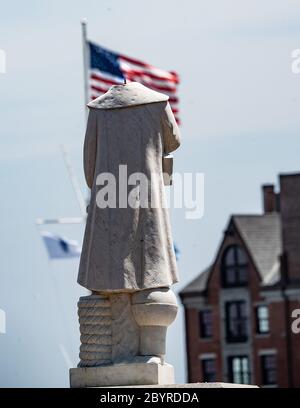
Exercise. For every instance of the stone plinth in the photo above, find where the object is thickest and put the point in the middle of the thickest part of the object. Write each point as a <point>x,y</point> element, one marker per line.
<point>130,374</point>
<point>194,385</point>
<point>123,338</point>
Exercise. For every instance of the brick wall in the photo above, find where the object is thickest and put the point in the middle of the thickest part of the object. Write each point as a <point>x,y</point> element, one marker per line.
<point>290,217</point>
<point>280,340</point>
<point>275,340</point>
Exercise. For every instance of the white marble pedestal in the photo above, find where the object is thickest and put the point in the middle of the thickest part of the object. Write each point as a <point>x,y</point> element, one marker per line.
<point>123,339</point>
<point>131,374</point>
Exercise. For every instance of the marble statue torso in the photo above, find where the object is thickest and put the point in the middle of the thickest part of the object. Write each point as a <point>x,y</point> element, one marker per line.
<point>128,248</point>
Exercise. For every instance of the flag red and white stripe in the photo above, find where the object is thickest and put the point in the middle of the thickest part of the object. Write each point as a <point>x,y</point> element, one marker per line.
<point>103,74</point>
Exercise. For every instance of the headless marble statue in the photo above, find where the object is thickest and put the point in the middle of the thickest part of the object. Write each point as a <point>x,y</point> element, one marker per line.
<point>128,260</point>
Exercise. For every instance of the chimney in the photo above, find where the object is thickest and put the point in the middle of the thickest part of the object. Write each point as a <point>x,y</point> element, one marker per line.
<point>270,198</point>
<point>290,221</point>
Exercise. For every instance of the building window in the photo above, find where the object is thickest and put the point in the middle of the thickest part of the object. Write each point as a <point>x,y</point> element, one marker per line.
<point>262,319</point>
<point>236,321</point>
<point>234,267</point>
<point>239,372</point>
<point>269,369</point>
<point>209,371</point>
<point>205,323</point>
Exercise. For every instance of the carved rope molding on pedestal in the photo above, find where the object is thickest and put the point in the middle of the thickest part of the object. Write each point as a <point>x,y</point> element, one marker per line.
<point>96,331</point>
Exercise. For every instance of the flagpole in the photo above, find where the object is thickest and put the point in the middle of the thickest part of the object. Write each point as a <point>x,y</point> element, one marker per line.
<point>85,63</point>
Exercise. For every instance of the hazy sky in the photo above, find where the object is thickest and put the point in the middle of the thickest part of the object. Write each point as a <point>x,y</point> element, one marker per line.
<point>240,127</point>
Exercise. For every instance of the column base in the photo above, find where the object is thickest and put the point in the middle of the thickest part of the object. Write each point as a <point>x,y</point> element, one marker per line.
<point>126,374</point>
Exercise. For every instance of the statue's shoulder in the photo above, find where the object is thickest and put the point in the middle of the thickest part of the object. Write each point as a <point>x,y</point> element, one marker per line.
<point>131,94</point>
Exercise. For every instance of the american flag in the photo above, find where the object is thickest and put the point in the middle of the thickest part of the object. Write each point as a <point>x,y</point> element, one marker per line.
<point>107,68</point>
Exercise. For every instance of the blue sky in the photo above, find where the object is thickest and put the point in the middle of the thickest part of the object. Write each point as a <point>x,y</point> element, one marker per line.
<point>240,127</point>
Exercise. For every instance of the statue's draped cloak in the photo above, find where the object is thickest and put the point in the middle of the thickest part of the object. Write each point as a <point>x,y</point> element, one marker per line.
<point>128,248</point>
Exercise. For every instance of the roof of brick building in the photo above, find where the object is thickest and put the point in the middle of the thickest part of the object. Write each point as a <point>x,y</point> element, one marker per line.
<point>261,235</point>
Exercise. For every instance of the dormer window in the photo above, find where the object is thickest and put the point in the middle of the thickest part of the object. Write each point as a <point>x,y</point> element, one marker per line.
<point>234,267</point>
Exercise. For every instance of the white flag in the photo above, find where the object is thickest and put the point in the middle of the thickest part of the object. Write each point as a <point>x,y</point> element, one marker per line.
<point>2,322</point>
<point>59,247</point>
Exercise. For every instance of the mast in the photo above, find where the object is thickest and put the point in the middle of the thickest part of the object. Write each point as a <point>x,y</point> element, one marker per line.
<point>85,63</point>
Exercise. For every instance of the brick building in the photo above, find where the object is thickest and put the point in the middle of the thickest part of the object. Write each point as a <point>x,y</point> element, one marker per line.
<point>239,311</point>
